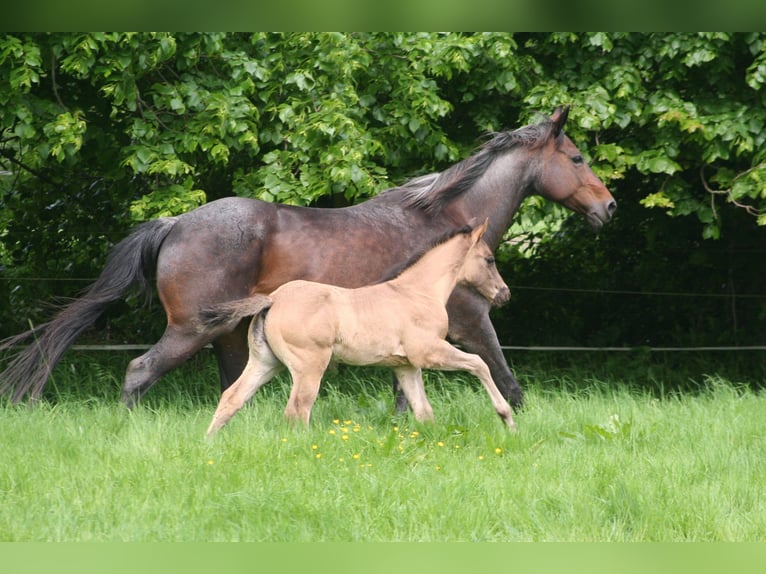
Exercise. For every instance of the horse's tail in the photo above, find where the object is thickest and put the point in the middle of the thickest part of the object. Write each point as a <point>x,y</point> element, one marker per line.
<point>131,262</point>
<point>227,315</point>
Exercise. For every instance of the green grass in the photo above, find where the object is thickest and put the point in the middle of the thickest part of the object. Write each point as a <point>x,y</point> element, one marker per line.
<point>638,450</point>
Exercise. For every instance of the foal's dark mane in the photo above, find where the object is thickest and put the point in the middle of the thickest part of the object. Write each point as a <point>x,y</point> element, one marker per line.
<point>397,270</point>
<point>433,191</point>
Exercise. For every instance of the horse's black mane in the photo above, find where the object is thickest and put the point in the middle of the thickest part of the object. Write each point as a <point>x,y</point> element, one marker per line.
<point>433,191</point>
<point>400,268</point>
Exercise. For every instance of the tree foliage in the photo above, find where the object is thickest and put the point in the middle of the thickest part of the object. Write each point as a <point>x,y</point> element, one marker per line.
<point>99,131</point>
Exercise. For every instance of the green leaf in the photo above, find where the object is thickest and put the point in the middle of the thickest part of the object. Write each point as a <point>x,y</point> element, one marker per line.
<point>658,199</point>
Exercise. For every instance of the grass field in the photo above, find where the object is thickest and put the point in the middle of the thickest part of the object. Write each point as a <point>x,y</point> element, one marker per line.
<point>630,448</point>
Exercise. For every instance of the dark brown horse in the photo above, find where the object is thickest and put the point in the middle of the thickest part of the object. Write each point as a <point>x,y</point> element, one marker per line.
<point>234,247</point>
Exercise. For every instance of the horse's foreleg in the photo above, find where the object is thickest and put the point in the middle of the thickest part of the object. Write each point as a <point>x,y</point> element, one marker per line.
<point>410,381</point>
<point>445,357</point>
<point>471,329</point>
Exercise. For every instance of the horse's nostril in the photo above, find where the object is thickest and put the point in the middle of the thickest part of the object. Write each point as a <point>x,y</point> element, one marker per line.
<point>611,207</point>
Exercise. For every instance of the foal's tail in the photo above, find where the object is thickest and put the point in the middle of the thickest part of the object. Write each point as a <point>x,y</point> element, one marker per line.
<point>227,315</point>
<point>131,262</point>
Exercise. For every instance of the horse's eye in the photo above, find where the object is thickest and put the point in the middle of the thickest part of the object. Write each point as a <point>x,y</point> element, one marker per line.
<point>577,159</point>
<point>490,260</point>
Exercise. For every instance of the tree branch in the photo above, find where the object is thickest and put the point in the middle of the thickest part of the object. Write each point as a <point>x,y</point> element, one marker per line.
<point>10,157</point>
<point>54,84</point>
<point>750,209</point>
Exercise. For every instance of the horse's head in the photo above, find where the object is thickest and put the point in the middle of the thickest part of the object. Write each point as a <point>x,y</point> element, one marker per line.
<point>565,178</point>
<point>479,270</point>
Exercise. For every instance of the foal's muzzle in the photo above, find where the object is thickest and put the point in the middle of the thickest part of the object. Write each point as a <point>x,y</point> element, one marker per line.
<point>502,297</point>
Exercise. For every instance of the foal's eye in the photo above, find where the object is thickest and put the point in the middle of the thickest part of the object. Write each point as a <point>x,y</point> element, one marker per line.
<point>490,260</point>
<point>577,159</point>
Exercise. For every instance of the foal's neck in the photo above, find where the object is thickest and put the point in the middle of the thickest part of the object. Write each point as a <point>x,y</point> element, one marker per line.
<point>437,272</point>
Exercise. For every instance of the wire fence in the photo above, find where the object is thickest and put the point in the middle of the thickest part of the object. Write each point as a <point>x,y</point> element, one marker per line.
<point>539,348</point>
<point>595,291</point>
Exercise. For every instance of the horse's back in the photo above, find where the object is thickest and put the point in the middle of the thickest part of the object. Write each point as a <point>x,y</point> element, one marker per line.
<point>209,255</point>
<point>234,247</point>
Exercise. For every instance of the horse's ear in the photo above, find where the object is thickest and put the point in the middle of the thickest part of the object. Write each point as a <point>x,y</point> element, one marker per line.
<point>559,118</point>
<point>479,231</point>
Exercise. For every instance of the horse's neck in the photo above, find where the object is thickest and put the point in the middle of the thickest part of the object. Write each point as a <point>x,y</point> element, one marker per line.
<point>436,273</point>
<point>498,193</point>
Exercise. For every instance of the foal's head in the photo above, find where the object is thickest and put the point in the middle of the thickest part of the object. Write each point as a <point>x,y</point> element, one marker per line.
<point>479,270</point>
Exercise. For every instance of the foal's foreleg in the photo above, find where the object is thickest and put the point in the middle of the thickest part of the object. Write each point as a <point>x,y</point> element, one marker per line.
<point>444,356</point>
<point>411,383</point>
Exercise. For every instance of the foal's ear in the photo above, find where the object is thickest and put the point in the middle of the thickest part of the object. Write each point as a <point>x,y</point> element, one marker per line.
<point>559,118</point>
<point>478,232</point>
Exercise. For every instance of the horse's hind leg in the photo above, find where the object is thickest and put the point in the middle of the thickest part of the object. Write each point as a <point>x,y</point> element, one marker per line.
<point>400,399</point>
<point>174,348</point>
<point>410,380</point>
<point>232,354</point>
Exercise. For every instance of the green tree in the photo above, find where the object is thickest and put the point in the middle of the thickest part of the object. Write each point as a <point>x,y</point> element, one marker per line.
<point>99,131</point>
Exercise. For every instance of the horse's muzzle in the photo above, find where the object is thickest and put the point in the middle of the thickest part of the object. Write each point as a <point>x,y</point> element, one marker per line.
<point>598,217</point>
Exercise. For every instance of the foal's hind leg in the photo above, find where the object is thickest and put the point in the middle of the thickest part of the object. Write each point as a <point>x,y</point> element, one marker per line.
<point>410,380</point>
<point>306,370</point>
<point>444,356</point>
<point>303,395</point>
<point>260,369</point>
